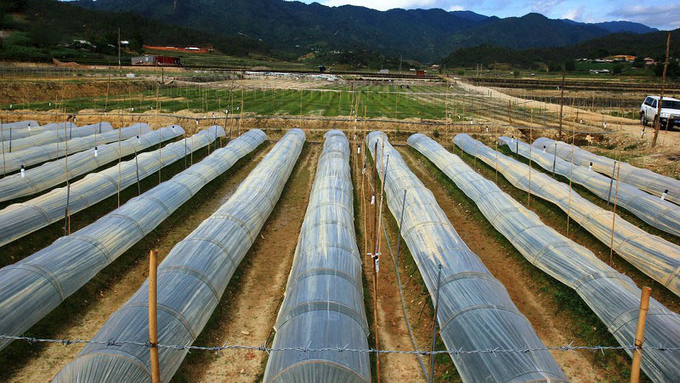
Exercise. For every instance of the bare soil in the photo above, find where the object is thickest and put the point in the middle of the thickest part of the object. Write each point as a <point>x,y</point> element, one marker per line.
<point>55,91</point>
<point>392,329</point>
<point>248,309</point>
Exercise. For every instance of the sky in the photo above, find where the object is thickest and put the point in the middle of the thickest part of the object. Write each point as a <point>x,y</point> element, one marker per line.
<point>662,14</point>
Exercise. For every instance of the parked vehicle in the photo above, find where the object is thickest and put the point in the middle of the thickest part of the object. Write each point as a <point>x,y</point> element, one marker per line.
<point>670,111</point>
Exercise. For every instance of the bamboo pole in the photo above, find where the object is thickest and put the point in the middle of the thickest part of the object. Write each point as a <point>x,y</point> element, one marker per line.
<point>616,197</point>
<point>561,104</point>
<point>67,224</point>
<point>531,139</point>
<point>663,84</point>
<point>374,257</point>
<point>160,156</point>
<point>2,137</point>
<point>640,335</point>
<point>153,316</point>
<point>495,165</point>
<point>571,176</point>
<point>240,119</point>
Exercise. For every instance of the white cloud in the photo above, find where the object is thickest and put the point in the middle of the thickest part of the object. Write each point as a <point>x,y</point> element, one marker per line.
<point>662,16</point>
<point>544,6</point>
<point>383,5</point>
<point>575,14</point>
<point>456,8</point>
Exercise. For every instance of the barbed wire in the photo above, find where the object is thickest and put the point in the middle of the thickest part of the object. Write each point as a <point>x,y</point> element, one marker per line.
<point>265,348</point>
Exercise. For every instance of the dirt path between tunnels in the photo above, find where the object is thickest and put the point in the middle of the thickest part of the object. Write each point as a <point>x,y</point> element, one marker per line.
<point>248,309</point>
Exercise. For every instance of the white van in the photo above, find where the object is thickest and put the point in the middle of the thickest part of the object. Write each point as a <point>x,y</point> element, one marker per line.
<point>670,111</point>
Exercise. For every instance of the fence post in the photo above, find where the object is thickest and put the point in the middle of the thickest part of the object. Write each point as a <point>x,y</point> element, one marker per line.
<point>153,317</point>
<point>434,324</point>
<point>401,222</point>
<point>640,335</point>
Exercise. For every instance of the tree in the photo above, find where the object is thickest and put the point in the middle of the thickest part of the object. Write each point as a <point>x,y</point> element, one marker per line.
<point>618,68</point>
<point>554,67</point>
<point>515,73</point>
<point>570,65</point>
<point>639,62</point>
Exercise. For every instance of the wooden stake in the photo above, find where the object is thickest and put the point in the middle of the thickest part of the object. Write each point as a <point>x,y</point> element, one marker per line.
<point>2,137</point>
<point>571,175</point>
<point>153,317</point>
<point>160,155</point>
<point>67,224</point>
<point>240,115</point>
<point>663,84</point>
<point>119,153</point>
<point>616,197</point>
<point>531,139</point>
<point>640,335</point>
<point>375,246</point>
<point>561,104</point>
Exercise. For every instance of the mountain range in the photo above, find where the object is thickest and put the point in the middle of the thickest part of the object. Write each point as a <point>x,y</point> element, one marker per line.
<point>423,35</point>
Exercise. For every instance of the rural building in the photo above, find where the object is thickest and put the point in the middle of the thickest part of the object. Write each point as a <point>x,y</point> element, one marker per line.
<point>156,60</point>
<point>627,58</point>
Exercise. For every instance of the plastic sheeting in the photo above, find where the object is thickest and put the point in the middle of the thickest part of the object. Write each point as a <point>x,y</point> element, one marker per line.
<point>475,310</point>
<point>19,124</point>
<point>20,219</point>
<point>613,297</point>
<point>324,304</point>
<point>191,279</point>
<point>659,213</point>
<point>29,128</point>
<point>39,154</point>
<point>651,254</point>
<point>644,179</point>
<point>53,173</point>
<point>36,285</point>
<point>57,135</point>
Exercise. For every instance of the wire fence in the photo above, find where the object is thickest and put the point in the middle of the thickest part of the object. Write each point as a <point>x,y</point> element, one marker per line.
<point>483,125</point>
<point>265,348</point>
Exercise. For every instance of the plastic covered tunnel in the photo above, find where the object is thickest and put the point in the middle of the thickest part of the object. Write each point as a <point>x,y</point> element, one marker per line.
<point>34,286</point>
<point>475,310</point>
<point>20,219</point>
<point>39,154</point>
<point>653,255</point>
<point>613,296</point>
<point>57,135</point>
<point>659,213</point>
<point>191,279</point>
<point>644,179</point>
<point>324,304</point>
<point>54,173</point>
<point>23,129</point>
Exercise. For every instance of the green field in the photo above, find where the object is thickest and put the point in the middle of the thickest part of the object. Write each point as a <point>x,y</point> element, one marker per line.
<point>427,102</point>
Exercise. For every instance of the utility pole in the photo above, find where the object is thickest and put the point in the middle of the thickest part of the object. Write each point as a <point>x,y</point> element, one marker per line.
<point>663,84</point>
